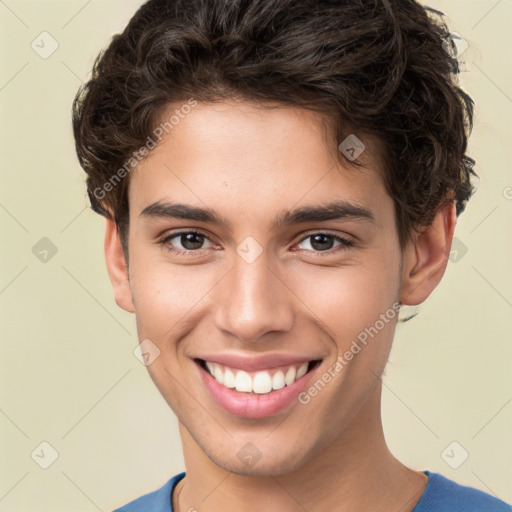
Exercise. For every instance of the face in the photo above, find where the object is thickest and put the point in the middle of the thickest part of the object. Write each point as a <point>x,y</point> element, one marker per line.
<point>257,256</point>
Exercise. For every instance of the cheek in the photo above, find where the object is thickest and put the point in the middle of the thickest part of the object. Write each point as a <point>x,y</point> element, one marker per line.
<point>166,295</point>
<point>348,299</point>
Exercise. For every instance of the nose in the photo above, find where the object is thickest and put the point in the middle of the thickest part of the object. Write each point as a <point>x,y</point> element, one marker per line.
<point>253,301</point>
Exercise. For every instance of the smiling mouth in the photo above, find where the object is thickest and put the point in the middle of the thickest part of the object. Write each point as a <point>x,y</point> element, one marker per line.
<point>260,382</point>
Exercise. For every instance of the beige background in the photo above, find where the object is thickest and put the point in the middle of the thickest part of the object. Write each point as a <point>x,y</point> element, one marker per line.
<point>68,373</point>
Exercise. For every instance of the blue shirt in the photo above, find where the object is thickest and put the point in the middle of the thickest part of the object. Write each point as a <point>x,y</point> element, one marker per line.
<point>440,495</point>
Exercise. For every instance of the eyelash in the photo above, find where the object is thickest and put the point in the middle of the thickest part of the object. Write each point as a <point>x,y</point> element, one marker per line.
<point>165,242</point>
<point>344,244</point>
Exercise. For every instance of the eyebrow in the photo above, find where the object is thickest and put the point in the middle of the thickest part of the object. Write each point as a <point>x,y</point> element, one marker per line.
<point>331,211</point>
<point>182,211</point>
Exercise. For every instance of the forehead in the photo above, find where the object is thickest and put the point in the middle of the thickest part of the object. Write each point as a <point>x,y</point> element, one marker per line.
<point>247,159</point>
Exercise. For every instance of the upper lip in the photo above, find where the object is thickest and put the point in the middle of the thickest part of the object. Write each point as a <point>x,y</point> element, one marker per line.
<point>253,363</point>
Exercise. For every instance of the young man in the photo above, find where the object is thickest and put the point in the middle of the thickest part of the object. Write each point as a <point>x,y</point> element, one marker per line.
<point>278,177</point>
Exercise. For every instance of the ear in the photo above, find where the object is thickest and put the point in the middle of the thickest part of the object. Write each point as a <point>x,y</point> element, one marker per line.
<point>426,258</point>
<point>117,267</point>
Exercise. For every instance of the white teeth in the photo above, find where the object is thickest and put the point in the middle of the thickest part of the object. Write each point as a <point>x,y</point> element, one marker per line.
<point>290,376</point>
<point>278,380</point>
<point>243,382</point>
<point>261,382</point>
<point>218,374</point>
<point>302,371</point>
<point>229,378</point>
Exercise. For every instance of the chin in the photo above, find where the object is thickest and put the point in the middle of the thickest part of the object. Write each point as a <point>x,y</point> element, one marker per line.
<point>276,464</point>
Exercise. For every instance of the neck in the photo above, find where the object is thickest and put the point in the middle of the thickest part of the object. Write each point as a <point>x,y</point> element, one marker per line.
<point>356,471</point>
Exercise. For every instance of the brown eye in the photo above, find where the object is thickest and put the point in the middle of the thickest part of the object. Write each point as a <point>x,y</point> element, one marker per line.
<point>191,241</point>
<point>320,242</point>
<point>185,241</point>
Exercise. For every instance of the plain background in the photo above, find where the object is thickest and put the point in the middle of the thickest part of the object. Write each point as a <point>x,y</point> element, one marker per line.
<point>69,376</point>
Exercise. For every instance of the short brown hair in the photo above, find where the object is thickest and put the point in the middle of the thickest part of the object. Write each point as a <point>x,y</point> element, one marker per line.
<point>377,66</point>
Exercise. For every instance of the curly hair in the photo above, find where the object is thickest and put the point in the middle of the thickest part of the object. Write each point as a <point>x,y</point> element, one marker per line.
<point>376,67</point>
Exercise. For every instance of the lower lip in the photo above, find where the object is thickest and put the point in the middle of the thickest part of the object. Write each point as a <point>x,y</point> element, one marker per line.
<point>249,405</point>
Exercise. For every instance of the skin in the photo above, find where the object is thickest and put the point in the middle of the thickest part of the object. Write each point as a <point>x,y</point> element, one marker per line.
<point>249,164</point>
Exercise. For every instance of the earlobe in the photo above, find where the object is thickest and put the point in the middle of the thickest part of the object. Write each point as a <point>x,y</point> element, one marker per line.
<point>117,267</point>
<point>426,257</point>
